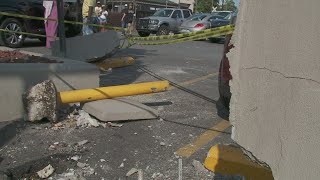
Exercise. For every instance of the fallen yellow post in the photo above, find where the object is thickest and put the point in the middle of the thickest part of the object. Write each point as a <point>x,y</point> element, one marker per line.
<point>231,160</point>
<point>84,95</point>
<point>115,63</point>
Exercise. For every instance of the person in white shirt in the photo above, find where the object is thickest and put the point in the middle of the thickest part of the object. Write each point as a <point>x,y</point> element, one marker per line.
<point>98,9</point>
<point>103,18</point>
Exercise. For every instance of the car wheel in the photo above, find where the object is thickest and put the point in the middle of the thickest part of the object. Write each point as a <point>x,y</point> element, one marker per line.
<point>144,34</point>
<point>12,39</point>
<point>163,30</point>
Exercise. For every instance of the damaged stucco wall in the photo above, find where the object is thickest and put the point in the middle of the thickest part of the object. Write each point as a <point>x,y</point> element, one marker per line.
<point>275,105</point>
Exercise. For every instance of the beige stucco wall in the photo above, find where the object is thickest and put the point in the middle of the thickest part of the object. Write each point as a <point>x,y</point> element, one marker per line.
<point>275,105</point>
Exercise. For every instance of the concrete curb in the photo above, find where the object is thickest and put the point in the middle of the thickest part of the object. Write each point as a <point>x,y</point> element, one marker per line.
<point>231,160</point>
<point>15,79</point>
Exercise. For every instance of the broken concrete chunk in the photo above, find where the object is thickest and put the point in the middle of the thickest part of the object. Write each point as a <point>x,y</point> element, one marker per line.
<point>82,165</point>
<point>75,158</point>
<point>131,172</point>
<point>121,165</point>
<point>85,120</point>
<point>81,143</point>
<point>46,172</point>
<point>40,102</point>
<point>114,124</point>
<point>119,110</point>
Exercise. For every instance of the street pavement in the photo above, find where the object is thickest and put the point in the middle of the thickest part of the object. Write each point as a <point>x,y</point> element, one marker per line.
<point>191,120</point>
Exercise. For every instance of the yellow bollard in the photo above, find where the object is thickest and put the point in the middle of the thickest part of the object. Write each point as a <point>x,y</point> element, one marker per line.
<point>115,63</point>
<point>93,94</point>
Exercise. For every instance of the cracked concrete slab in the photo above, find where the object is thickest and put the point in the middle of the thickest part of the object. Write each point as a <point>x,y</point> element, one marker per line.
<point>119,110</point>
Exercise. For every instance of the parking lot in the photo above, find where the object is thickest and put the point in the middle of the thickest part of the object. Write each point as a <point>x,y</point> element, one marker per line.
<point>191,120</point>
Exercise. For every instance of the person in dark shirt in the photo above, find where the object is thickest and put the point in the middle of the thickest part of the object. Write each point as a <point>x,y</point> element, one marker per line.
<point>127,18</point>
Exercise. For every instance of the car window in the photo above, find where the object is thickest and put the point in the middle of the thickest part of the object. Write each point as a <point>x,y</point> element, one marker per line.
<point>163,13</point>
<point>215,17</point>
<point>197,17</point>
<point>186,13</point>
<point>177,14</point>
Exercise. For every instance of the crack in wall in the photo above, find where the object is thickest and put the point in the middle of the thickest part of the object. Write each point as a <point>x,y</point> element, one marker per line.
<point>285,76</point>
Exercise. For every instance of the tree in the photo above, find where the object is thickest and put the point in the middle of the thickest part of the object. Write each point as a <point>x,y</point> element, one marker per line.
<point>230,5</point>
<point>205,6</point>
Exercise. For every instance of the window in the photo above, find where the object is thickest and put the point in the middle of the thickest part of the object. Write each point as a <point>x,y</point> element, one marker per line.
<point>177,14</point>
<point>163,13</point>
<point>215,17</point>
<point>186,13</point>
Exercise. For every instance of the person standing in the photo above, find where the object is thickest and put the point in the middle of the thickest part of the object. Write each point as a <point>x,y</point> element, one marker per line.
<point>98,9</point>
<point>127,18</point>
<point>103,18</point>
<point>88,16</point>
<point>51,12</point>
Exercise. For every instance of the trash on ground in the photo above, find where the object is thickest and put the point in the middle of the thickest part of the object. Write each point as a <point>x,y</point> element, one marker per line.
<point>131,172</point>
<point>102,160</point>
<point>162,143</point>
<point>46,172</point>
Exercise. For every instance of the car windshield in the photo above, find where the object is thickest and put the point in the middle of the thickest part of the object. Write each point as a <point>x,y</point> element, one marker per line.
<point>197,17</point>
<point>163,13</point>
<point>224,14</point>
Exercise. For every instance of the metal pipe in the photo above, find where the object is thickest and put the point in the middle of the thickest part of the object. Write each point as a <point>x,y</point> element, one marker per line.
<point>93,94</point>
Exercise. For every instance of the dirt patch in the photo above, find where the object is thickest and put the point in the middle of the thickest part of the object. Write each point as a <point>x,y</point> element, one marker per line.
<point>19,57</point>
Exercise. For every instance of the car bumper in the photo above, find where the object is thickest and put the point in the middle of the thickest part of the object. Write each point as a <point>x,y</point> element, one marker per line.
<point>150,27</point>
<point>190,29</point>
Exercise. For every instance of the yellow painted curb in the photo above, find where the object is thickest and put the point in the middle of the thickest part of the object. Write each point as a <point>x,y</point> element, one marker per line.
<point>115,62</point>
<point>93,94</point>
<point>230,160</point>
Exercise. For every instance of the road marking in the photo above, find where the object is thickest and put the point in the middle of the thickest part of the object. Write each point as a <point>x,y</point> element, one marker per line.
<point>203,139</point>
<point>192,81</point>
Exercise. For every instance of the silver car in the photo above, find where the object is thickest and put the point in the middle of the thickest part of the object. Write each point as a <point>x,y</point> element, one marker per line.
<point>198,22</point>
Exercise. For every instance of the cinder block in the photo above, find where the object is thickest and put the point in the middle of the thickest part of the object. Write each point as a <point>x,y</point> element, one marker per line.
<point>119,110</point>
<point>84,48</point>
<point>15,79</point>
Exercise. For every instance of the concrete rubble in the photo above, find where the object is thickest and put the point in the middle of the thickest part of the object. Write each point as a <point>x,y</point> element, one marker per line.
<point>46,172</point>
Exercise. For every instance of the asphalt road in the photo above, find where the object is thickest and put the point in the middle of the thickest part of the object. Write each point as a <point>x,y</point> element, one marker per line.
<point>192,120</point>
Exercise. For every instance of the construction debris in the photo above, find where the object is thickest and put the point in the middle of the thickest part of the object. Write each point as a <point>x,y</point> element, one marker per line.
<point>121,165</point>
<point>140,174</point>
<point>40,102</point>
<point>131,172</point>
<point>81,143</point>
<point>46,172</point>
<point>110,124</point>
<point>75,158</point>
<point>82,165</point>
<point>85,120</point>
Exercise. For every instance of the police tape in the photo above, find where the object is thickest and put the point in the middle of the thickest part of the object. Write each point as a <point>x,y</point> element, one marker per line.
<point>206,35</point>
<point>65,21</point>
<point>156,38</point>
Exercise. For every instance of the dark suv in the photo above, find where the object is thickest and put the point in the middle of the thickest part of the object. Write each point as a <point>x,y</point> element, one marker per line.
<point>29,8</point>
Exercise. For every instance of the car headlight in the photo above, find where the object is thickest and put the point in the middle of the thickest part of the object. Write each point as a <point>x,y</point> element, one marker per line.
<point>153,21</point>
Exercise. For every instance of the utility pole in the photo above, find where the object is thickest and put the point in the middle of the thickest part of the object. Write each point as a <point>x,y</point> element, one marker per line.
<point>166,3</point>
<point>179,4</point>
<point>61,29</point>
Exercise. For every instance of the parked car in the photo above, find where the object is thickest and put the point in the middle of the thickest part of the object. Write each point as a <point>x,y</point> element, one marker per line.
<point>222,13</point>
<point>162,22</point>
<point>29,8</point>
<point>224,71</point>
<point>221,22</point>
<point>198,22</point>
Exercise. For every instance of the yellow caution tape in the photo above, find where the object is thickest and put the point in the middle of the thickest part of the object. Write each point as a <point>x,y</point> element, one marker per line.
<point>68,22</point>
<point>155,38</point>
<point>192,38</point>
